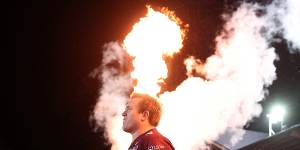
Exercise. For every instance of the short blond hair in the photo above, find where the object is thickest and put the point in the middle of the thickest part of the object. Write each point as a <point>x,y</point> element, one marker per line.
<point>151,104</point>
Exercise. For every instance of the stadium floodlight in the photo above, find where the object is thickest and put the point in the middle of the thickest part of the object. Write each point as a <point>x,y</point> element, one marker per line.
<point>276,115</point>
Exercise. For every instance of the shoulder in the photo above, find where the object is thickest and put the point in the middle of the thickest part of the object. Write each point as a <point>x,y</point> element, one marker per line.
<point>155,141</point>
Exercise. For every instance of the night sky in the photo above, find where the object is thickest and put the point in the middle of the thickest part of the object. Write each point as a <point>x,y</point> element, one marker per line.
<point>59,44</point>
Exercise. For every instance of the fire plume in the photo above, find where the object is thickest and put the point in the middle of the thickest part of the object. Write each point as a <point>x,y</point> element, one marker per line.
<point>153,37</point>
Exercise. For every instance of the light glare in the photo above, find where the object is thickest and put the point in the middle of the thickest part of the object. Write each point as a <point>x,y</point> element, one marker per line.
<point>277,114</point>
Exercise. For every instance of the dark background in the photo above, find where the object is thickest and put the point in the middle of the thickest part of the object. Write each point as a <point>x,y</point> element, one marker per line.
<point>59,44</point>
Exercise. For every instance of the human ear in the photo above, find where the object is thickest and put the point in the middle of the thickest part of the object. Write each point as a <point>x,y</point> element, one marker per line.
<point>145,115</point>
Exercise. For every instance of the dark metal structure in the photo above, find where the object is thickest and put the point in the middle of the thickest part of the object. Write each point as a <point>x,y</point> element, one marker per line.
<point>285,140</point>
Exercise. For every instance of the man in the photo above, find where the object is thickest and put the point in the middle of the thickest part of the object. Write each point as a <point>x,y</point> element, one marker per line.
<point>141,116</point>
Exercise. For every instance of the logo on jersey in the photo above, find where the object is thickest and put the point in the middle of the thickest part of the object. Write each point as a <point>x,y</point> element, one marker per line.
<point>155,147</point>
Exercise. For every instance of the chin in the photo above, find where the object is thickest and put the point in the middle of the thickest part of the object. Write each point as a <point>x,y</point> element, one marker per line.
<point>124,129</point>
<point>128,130</point>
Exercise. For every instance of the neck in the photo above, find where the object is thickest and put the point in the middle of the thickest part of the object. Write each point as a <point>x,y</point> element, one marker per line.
<point>141,131</point>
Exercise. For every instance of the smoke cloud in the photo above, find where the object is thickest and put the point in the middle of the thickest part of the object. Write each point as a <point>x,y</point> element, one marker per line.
<point>231,82</point>
<point>291,21</point>
<point>116,84</point>
<point>201,109</point>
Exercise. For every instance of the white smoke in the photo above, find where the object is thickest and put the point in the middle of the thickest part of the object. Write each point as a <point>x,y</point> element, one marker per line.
<point>236,77</point>
<point>232,81</point>
<point>199,110</point>
<point>113,95</point>
<point>291,22</point>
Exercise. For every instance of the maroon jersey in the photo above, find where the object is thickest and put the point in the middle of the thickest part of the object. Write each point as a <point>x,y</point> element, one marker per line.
<point>151,140</point>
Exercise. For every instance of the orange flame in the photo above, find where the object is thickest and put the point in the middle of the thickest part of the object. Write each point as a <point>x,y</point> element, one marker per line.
<point>154,36</point>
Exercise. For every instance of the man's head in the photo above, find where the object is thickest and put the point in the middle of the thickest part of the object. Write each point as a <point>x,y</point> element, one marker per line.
<point>141,110</point>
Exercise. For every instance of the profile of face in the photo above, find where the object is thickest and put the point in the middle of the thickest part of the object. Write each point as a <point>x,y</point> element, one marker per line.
<point>131,116</point>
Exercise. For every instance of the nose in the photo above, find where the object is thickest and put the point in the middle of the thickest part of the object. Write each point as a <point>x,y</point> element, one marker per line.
<point>124,113</point>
